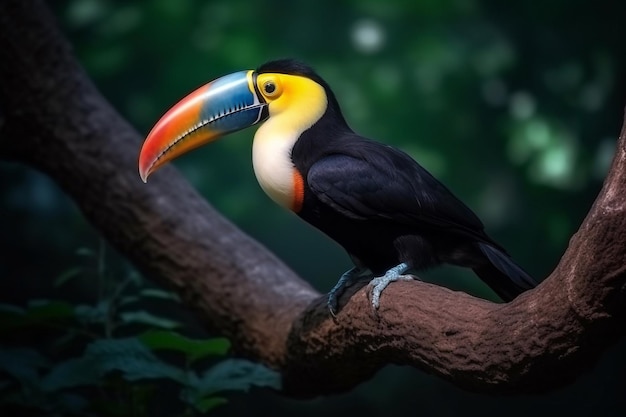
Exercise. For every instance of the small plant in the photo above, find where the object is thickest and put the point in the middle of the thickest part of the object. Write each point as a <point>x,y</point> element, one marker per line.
<point>114,356</point>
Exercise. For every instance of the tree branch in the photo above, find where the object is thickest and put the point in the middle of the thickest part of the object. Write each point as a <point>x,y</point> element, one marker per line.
<point>55,120</point>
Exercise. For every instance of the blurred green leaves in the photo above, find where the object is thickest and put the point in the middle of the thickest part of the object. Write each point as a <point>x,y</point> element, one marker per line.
<point>36,313</point>
<point>550,152</point>
<point>110,357</point>
<point>193,349</point>
<point>34,376</point>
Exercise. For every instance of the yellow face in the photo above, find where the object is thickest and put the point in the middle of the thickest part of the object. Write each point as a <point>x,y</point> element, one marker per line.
<point>301,98</point>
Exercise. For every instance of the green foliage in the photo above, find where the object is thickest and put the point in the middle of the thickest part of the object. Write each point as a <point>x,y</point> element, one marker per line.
<point>112,356</point>
<point>193,349</point>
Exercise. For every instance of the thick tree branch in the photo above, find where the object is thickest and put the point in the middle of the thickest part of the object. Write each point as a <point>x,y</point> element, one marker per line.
<point>56,121</point>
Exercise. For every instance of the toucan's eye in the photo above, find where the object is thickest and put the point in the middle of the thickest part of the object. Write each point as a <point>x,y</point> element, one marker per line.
<point>269,88</point>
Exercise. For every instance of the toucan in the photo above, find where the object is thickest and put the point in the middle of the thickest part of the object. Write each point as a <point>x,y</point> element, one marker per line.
<point>387,211</point>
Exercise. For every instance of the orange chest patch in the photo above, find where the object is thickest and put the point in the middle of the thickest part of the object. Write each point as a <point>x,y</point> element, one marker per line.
<point>298,191</point>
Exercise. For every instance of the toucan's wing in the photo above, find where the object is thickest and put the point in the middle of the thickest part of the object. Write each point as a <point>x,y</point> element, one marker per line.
<point>375,181</point>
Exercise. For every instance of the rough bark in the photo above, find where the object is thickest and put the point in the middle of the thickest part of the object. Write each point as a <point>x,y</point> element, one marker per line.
<point>55,120</point>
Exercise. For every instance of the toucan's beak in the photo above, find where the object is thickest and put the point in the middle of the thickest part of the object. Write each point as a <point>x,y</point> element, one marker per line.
<point>225,105</point>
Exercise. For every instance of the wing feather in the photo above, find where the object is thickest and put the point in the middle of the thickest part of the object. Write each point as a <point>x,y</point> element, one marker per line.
<point>375,181</point>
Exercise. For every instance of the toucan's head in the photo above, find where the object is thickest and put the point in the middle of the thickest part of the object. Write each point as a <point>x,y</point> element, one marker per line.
<point>286,91</point>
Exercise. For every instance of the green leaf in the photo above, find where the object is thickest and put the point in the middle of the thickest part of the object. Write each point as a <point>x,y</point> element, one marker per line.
<point>37,312</point>
<point>206,404</point>
<point>85,252</point>
<point>11,309</point>
<point>67,275</point>
<point>133,359</point>
<point>65,339</point>
<point>193,349</point>
<point>149,319</point>
<point>41,310</point>
<point>23,364</point>
<point>157,293</point>
<point>129,299</point>
<point>92,314</point>
<point>71,373</point>
<point>135,278</point>
<point>234,375</point>
<point>128,356</point>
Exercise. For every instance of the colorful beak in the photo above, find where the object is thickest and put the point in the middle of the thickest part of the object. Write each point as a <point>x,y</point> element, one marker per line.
<point>225,105</point>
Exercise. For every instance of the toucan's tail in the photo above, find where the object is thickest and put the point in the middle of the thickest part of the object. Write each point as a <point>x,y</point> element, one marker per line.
<point>504,277</point>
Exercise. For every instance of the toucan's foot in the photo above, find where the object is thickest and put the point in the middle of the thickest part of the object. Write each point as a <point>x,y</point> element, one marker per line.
<point>347,279</point>
<point>378,284</point>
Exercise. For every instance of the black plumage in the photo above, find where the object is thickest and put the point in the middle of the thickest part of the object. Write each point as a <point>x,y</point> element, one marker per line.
<point>384,208</point>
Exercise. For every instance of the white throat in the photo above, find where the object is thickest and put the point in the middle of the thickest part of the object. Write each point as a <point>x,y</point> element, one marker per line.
<point>273,167</point>
<point>300,105</point>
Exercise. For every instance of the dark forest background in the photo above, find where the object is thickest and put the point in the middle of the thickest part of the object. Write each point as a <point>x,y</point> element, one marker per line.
<point>516,106</point>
